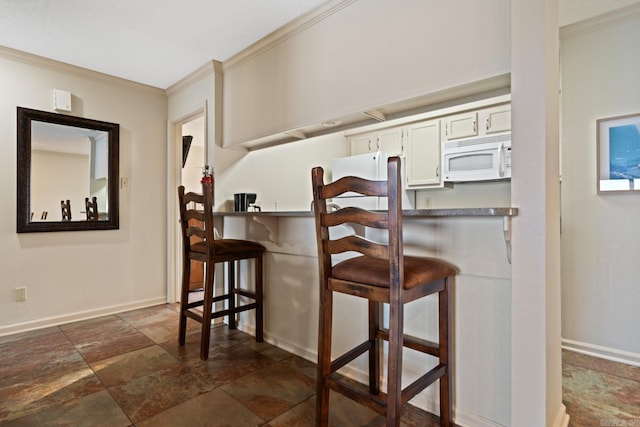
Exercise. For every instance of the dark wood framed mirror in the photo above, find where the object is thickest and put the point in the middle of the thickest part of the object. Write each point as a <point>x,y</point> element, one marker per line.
<point>64,164</point>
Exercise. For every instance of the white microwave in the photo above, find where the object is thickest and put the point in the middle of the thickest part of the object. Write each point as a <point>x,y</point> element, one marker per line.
<point>484,158</point>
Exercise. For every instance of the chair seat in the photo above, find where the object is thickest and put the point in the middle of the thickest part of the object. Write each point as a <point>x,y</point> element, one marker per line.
<point>375,272</point>
<point>228,246</point>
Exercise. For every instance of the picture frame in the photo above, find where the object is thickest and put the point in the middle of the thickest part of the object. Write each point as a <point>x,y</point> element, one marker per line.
<point>618,154</point>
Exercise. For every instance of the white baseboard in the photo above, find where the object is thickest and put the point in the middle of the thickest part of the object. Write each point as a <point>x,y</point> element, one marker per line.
<point>602,352</point>
<point>562,418</point>
<point>31,325</point>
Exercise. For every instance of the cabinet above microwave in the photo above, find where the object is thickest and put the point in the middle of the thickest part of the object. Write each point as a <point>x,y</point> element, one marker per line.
<point>487,121</point>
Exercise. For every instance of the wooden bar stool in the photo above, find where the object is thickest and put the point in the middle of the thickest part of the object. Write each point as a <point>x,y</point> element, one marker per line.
<point>381,274</point>
<point>199,244</point>
<point>65,208</point>
<point>91,208</point>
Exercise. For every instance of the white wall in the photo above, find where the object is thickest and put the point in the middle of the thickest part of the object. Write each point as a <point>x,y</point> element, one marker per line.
<point>350,61</point>
<point>70,275</point>
<point>600,247</point>
<point>281,175</point>
<point>57,176</point>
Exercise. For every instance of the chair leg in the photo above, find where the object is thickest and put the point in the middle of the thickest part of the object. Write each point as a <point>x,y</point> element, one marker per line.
<point>446,355</point>
<point>375,322</point>
<point>394,380</point>
<point>184,299</point>
<point>206,310</point>
<point>324,356</point>
<point>231,291</point>
<point>259,300</point>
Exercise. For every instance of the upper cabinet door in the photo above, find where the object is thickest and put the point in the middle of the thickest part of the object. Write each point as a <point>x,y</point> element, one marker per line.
<point>496,119</point>
<point>361,144</point>
<point>461,125</point>
<point>390,141</point>
<point>423,154</point>
<point>386,140</point>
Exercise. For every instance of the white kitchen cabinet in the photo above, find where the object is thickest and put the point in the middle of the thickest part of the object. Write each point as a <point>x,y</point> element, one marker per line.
<point>482,122</point>
<point>462,125</point>
<point>386,140</point>
<point>422,143</point>
<point>495,119</point>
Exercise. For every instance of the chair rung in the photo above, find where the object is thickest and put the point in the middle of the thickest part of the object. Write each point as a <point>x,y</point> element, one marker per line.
<point>244,293</point>
<point>414,343</point>
<point>350,355</point>
<point>423,382</point>
<point>220,313</point>
<point>194,304</point>
<point>376,403</point>
<point>193,315</point>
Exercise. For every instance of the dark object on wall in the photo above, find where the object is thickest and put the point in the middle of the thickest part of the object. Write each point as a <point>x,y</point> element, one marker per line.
<point>186,144</point>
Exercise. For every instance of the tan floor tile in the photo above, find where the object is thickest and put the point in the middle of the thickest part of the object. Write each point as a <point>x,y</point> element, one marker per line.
<point>102,340</point>
<point>271,391</point>
<point>211,409</point>
<point>96,410</point>
<point>121,369</point>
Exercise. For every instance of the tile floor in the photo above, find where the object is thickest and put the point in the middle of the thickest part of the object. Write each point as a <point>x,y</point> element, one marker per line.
<point>127,370</point>
<point>599,392</point>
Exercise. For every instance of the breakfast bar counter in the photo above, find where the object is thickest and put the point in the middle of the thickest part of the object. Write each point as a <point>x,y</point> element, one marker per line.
<point>476,240</point>
<point>418,213</point>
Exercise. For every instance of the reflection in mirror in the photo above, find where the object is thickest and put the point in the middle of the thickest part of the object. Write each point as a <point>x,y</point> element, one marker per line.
<point>68,163</point>
<point>63,161</point>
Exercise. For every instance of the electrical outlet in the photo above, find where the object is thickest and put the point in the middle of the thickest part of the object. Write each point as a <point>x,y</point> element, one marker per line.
<point>427,202</point>
<point>21,294</point>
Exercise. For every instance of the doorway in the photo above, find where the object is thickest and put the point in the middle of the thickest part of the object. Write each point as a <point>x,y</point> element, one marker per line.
<point>193,153</point>
<point>186,160</point>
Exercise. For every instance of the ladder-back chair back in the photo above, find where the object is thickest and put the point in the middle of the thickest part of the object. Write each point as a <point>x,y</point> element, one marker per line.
<point>65,208</point>
<point>91,207</point>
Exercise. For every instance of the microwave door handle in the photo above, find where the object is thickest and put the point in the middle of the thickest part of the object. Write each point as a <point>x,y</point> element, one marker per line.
<point>501,159</point>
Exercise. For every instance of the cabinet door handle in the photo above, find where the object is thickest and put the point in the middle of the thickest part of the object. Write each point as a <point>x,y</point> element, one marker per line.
<point>437,171</point>
<point>488,124</point>
<point>475,126</point>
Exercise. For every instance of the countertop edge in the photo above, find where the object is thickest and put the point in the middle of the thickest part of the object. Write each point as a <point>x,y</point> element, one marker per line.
<point>451,212</point>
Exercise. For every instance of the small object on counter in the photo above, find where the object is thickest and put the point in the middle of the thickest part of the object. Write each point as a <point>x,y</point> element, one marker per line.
<point>242,201</point>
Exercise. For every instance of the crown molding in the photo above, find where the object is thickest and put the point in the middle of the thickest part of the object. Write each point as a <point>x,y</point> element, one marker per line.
<point>601,21</point>
<point>62,67</point>
<point>211,67</point>
<point>286,32</point>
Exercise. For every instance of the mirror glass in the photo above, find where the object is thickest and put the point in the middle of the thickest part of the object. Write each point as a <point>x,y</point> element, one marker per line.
<point>67,172</point>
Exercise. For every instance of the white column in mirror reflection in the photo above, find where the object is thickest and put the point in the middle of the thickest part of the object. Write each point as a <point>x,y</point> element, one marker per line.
<point>206,135</point>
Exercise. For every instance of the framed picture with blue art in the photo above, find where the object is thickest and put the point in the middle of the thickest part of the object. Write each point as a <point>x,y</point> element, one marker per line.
<point>618,140</point>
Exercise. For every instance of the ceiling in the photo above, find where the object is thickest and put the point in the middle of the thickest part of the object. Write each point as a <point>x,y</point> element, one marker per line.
<point>155,42</point>
<point>158,42</point>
